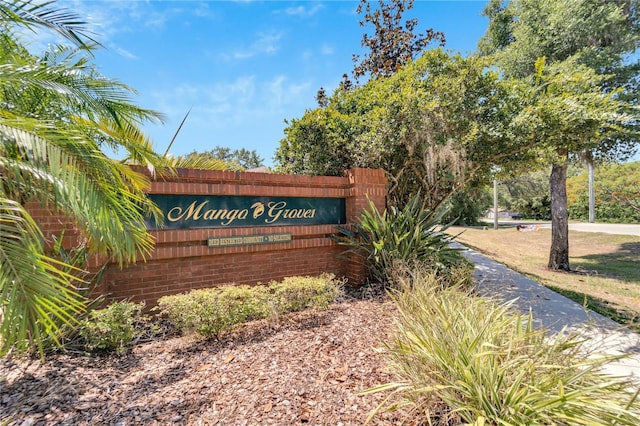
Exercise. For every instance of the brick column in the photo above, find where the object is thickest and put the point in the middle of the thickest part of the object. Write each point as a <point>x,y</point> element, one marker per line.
<point>365,185</point>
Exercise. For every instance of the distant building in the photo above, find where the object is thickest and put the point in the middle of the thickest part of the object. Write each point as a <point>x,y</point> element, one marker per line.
<point>503,214</point>
<point>261,169</point>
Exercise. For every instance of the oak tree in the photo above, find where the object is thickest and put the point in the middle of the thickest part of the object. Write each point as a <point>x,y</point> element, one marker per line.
<point>434,126</point>
<point>573,56</point>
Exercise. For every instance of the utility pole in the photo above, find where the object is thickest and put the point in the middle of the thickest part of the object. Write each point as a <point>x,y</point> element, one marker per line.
<point>495,203</point>
<point>592,198</point>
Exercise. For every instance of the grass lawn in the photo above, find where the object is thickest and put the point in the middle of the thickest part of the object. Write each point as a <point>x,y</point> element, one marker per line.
<point>608,277</point>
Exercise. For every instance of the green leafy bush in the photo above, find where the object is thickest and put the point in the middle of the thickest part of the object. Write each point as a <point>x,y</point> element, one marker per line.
<point>607,209</point>
<point>210,312</point>
<point>617,193</point>
<point>490,366</point>
<point>74,262</point>
<point>465,208</point>
<point>410,236</point>
<point>298,293</point>
<point>112,328</point>
<point>527,194</point>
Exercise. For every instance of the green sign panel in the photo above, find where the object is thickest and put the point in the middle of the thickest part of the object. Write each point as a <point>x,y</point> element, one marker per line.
<point>248,239</point>
<point>218,211</point>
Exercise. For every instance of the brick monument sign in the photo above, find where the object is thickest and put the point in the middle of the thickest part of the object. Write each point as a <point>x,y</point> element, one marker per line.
<point>242,227</point>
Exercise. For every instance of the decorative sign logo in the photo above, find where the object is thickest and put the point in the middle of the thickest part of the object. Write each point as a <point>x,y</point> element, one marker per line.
<point>192,211</point>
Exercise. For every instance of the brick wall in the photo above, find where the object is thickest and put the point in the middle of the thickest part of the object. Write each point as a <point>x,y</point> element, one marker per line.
<point>181,260</point>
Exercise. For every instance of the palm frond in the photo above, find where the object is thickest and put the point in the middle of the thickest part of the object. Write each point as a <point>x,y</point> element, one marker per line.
<point>57,113</point>
<point>70,172</point>
<point>202,163</point>
<point>128,137</point>
<point>36,294</point>
<point>75,85</point>
<point>31,14</point>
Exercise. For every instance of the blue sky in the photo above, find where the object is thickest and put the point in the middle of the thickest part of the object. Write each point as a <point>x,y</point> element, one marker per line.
<point>242,67</point>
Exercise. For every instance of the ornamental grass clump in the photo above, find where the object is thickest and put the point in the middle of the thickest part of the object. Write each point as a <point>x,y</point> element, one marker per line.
<point>213,311</point>
<point>411,236</point>
<point>490,366</point>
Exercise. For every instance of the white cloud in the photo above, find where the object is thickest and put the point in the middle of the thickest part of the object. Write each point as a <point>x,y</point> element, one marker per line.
<point>242,89</point>
<point>265,44</point>
<point>304,11</point>
<point>202,10</point>
<point>307,54</point>
<point>232,102</point>
<point>214,98</point>
<point>156,20</point>
<point>245,112</point>
<point>125,53</point>
<point>326,49</point>
<point>107,19</point>
<point>281,92</point>
<point>240,55</point>
<point>275,90</point>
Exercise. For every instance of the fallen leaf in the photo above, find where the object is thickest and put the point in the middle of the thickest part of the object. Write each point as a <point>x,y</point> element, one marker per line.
<point>305,415</point>
<point>285,380</point>
<point>204,367</point>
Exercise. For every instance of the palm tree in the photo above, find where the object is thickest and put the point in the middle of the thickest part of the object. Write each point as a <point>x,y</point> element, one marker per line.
<point>57,117</point>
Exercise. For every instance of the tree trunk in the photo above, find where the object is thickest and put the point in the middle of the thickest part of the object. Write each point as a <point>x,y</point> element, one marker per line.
<point>559,255</point>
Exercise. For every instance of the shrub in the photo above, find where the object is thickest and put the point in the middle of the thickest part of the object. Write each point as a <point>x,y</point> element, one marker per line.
<point>210,312</point>
<point>410,236</point>
<point>74,261</point>
<point>617,193</point>
<point>490,366</point>
<point>298,293</point>
<point>534,208</point>
<point>112,328</point>
<point>465,208</point>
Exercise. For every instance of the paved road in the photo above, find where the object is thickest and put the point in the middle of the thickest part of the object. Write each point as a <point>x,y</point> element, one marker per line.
<point>606,228</point>
<point>556,312</point>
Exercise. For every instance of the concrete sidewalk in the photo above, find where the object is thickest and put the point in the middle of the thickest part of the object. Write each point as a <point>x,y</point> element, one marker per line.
<point>556,312</point>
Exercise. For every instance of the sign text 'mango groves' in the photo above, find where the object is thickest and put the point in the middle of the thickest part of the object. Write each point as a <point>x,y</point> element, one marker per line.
<point>195,211</point>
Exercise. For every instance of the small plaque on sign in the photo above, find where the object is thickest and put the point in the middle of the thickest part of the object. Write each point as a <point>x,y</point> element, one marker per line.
<point>248,240</point>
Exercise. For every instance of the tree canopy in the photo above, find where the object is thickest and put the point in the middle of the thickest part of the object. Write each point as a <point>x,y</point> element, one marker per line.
<point>233,158</point>
<point>527,194</point>
<point>394,42</point>
<point>598,34</point>
<point>577,82</point>
<point>617,192</point>
<point>435,125</point>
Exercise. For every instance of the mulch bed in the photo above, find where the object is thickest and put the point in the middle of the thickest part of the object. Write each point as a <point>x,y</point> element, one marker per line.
<point>307,368</point>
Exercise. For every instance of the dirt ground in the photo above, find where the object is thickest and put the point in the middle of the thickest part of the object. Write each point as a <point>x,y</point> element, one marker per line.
<point>308,368</point>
